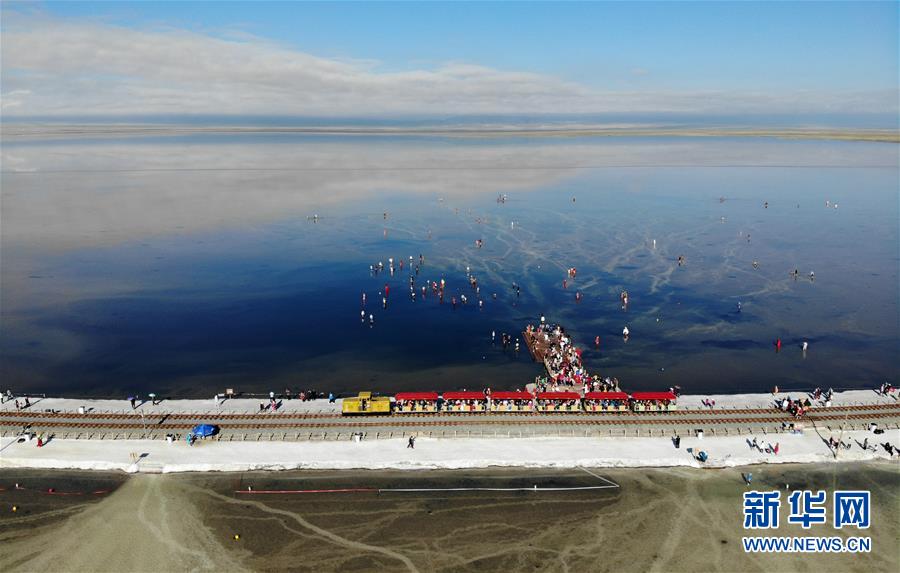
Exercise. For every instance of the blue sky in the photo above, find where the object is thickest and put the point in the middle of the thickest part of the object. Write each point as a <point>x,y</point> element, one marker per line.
<point>692,57</point>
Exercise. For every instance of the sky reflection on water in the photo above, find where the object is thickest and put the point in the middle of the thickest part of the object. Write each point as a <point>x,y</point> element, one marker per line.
<point>186,265</point>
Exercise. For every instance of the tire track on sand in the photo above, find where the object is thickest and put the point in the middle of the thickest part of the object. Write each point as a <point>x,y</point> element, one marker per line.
<point>318,530</point>
<point>148,524</point>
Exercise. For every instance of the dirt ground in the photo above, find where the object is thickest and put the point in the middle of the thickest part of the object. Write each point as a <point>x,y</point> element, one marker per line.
<point>657,520</point>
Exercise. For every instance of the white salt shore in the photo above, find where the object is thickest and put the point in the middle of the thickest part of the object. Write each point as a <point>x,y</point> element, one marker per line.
<point>162,457</point>
<point>251,405</point>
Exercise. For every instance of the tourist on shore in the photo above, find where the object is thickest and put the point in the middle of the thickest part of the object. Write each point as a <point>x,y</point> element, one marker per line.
<point>412,443</point>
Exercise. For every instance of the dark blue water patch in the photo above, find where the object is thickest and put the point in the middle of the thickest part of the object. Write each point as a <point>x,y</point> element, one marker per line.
<point>156,339</point>
<point>734,344</point>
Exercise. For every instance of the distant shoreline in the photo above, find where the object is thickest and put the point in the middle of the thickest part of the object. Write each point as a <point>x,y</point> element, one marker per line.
<point>49,131</point>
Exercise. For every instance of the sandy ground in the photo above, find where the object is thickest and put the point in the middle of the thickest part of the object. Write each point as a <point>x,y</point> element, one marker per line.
<point>657,520</point>
<point>146,525</point>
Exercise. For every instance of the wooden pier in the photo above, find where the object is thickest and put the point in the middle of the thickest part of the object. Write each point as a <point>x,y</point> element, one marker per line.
<point>539,346</point>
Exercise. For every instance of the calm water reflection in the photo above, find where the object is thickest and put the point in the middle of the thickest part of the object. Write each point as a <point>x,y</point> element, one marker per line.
<point>189,264</point>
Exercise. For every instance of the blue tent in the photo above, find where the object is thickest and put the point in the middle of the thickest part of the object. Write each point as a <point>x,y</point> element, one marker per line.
<point>204,430</point>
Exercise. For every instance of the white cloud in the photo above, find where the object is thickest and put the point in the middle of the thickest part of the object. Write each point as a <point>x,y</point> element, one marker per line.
<point>60,67</point>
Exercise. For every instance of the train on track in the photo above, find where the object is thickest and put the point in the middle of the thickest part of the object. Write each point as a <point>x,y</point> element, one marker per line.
<point>508,402</point>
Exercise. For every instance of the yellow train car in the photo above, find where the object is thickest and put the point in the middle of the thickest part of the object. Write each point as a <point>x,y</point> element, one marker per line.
<point>365,404</point>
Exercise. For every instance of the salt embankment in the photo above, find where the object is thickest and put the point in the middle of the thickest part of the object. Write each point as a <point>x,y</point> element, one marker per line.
<point>159,456</point>
<point>252,405</point>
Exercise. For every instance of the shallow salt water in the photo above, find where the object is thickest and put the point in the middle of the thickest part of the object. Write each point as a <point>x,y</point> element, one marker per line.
<point>188,264</point>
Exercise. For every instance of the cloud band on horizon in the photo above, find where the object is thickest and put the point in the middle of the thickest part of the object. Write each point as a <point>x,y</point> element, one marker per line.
<point>57,67</point>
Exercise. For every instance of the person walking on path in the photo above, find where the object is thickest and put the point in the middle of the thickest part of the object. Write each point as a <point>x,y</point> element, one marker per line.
<point>412,443</point>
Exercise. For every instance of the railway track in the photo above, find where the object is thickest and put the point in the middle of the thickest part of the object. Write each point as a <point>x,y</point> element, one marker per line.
<point>13,422</point>
<point>427,423</point>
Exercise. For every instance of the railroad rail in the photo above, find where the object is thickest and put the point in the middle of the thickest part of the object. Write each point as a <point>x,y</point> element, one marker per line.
<point>105,425</point>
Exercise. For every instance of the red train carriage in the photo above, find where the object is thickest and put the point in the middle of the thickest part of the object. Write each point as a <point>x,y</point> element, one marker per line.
<point>417,402</point>
<point>605,402</point>
<point>558,401</point>
<point>512,402</point>
<point>465,401</point>
<point>653,401</point>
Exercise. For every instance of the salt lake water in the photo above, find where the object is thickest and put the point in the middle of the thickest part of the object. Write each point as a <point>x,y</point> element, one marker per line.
<point>183,265</point>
